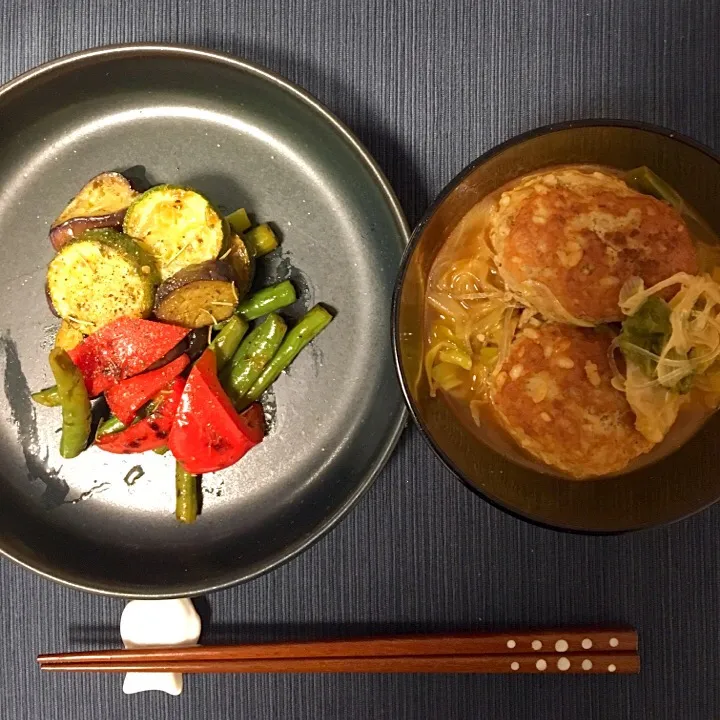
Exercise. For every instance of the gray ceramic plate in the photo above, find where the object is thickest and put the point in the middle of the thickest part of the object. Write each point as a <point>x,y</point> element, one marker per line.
<point>244,137</point>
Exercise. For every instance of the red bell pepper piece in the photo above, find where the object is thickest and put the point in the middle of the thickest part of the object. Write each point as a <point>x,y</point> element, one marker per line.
<point>128,396</point>
<point>121,349</point>
<point>253,418</point>
<point>150,432</point>
<point>208,434</point>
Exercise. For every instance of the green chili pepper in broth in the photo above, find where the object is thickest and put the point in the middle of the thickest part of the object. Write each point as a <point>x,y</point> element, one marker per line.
<point>644,180</point>
<point>74,401</point>
<point>648,331</point>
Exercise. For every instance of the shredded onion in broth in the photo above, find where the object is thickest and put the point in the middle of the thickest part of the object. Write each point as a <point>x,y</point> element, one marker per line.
<point>474,317</point>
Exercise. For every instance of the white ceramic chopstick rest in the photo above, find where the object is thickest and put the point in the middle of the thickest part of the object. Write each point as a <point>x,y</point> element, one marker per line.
<point>158,623</point>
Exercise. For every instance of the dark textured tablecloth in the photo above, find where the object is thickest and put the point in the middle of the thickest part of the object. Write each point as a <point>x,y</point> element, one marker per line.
<point>427,87</point>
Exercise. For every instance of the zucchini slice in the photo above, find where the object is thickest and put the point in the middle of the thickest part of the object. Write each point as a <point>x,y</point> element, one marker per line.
<point>198,295</point>
<point>99,277</point>
<point>177,225</point>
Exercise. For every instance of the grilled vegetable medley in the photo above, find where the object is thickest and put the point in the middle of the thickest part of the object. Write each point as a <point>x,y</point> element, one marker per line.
<point>154,292</point>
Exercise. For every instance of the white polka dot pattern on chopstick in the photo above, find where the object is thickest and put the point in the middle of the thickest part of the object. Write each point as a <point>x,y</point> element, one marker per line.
<point>564,664</point>
<point>571,652</point>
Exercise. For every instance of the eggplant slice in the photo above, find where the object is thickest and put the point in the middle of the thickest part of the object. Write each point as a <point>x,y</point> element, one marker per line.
<point>198,296</point>
<point>242,263</point>
<point>75,227</point>
<point>101,203</point>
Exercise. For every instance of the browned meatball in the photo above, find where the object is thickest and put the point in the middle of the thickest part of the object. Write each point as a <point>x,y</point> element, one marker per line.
<point>555,398</point>
<point>582,234</point>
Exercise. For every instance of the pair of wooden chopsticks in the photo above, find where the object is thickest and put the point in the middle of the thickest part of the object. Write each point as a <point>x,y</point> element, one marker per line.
<point>545,651</point>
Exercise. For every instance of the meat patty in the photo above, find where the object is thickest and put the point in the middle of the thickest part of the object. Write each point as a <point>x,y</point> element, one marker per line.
<point>555,399</point>
<point>582,234</point>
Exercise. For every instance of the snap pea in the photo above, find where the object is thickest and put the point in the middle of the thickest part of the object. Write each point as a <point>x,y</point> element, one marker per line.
<point>48,397</point>
<point>267,300</point>
<point>228,339</point>
<point>74,401</point>
<point>260,241</point>
<point>307,328</point>
<point>253,355</point>
<point>186,495</point>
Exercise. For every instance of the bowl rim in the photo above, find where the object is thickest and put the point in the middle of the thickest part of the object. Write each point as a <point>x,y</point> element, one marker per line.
<point>159,49</point>
<point>409,251</point>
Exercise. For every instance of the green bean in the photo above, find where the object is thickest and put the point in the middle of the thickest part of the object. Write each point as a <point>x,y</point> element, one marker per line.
<point>228,339</point>
<point>161,450</point>
<point>239,221</point>
<point>267,300</point>
<point>74,401</point>
<point>48,397</point>
<point>109,426</point>
<point>307,328</point>
<point>260,241</point>
<point>186,495</point>
<point>113,424</point>
<point>252,356</point>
